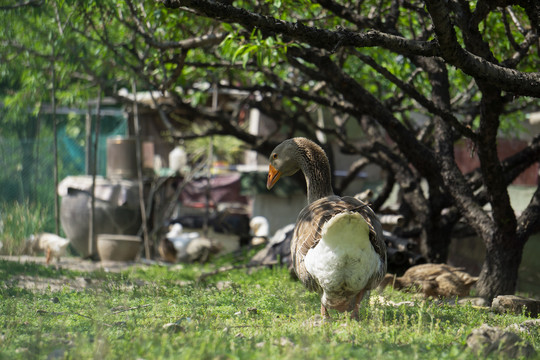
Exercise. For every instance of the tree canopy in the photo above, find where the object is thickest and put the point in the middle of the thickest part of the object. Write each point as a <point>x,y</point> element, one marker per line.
<point>469,67</point>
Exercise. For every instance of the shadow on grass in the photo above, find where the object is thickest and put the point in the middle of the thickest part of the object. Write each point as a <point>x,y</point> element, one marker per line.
<point>13,269</point>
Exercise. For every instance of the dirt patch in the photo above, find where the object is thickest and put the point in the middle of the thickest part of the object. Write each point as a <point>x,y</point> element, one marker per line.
<point>42,284</point>
<point>78,264</point>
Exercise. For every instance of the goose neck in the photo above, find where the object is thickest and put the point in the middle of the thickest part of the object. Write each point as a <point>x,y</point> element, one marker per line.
<point>316,169</point>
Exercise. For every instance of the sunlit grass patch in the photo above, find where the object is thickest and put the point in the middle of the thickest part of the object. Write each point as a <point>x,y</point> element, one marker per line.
<point>160,312</point>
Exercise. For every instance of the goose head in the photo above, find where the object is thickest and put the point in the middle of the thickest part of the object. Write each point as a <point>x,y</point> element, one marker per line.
<point>301,154</point>
<point>283,162</point>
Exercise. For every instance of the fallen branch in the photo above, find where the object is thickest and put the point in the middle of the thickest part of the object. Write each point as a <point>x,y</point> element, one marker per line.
<point>59,313</point>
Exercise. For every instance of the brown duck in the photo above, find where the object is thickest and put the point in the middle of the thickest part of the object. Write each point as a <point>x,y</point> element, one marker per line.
<point>437,280</point>
<point>337,247</point>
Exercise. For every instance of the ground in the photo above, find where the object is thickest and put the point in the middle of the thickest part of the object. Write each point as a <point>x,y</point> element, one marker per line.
<point>68,263</point>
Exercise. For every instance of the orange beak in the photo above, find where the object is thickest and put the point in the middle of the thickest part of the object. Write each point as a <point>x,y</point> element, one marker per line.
<point>273,177</point>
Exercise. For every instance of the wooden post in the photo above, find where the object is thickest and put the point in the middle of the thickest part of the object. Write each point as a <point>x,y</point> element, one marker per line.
<point>138,151</point>
<point>92,222</point>
<point>55,148</point>
<point>88,141</point>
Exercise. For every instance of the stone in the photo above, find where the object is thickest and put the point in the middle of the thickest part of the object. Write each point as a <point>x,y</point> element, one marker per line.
<point>474,301</point>
<point>284,341</point>
<point>487,340</point>
<point>173,327</point>
<point>516,304</point>
<point>252,310</point>
<point>176,326</point>
<point>525,327</point>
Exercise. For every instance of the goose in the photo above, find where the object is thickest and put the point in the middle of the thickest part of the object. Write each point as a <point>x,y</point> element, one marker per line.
<point>436,280</point>
<point>337,248</point>
<point>173,246</point>
<point>52,244</point>
<point>259,229</point>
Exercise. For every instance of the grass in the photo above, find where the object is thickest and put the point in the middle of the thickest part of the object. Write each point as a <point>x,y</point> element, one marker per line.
<point>233,315</point>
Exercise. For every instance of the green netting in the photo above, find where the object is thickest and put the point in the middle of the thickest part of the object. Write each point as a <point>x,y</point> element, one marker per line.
<point>27,165</point>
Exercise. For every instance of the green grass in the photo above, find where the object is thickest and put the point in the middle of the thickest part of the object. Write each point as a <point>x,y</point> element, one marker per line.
<point>262,314</point>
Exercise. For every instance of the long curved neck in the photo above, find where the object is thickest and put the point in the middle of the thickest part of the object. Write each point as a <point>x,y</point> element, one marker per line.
<point>316,168</point>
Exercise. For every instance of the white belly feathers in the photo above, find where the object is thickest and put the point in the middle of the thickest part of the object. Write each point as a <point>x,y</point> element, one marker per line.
<point>344,259</point>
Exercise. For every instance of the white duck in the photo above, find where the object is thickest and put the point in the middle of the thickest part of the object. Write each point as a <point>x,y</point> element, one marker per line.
<point>52,244</point>
<point>260,229</point>
<point>174,245</point>
<point>337,248</point>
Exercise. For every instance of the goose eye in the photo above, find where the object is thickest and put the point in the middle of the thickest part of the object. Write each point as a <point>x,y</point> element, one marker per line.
<point>274,156</point>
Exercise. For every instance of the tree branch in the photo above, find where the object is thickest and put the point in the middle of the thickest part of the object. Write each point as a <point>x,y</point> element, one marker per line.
<point>33,3</point>
<point>366,103</point>
<point>353,172</point>
<point>345,13</point>
<point>506,79</point>
<point>531,38</point>
<point>529,221</point>
<point>196,42</point>
<point>519,162</point>
<point>324,39</point>
<point>422,100</point>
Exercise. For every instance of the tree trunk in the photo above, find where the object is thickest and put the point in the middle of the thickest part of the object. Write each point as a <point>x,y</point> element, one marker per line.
<point>503,249</point>
<point>436,244</point>
<point>500,269</point>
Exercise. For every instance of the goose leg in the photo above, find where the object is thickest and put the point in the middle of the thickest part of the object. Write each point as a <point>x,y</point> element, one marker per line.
<point>359,297</point>
<point>324,312</point>
<point>49,256</point>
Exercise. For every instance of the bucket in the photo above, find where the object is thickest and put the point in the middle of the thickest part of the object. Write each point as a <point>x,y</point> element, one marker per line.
<point>121,158</point>
<point>114,247</point>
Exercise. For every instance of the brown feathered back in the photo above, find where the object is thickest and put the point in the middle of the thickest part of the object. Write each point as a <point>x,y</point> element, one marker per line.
<point>437,280</point>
